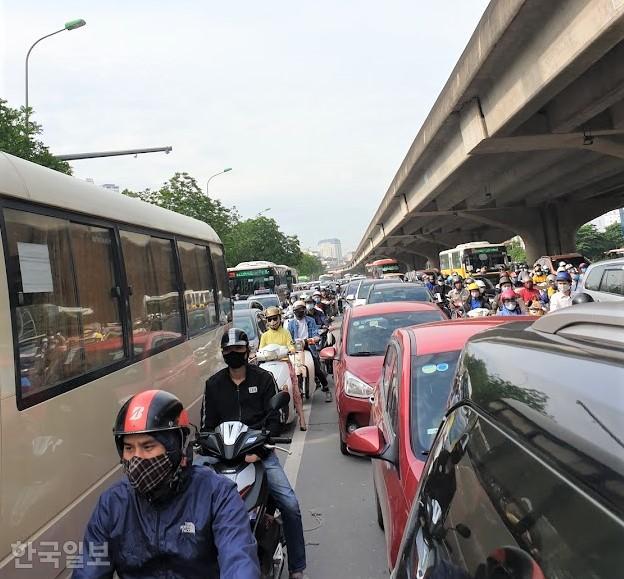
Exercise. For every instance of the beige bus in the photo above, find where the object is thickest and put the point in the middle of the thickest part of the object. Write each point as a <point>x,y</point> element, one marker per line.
<point>101,296</point>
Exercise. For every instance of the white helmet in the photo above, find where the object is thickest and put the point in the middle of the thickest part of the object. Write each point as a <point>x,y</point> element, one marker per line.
<point>481,284</point>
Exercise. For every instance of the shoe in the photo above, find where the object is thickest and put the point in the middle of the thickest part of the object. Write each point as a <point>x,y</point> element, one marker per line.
<point>303,428</point>
<point>328,396</point>
<point>297,575</point>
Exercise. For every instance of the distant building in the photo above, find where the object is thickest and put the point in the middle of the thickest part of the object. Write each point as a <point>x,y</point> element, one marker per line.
<point>330,248</point>
<point>111,187</point>
<point>348,257</point>
<point>90,180</point>
<point>607,219</point>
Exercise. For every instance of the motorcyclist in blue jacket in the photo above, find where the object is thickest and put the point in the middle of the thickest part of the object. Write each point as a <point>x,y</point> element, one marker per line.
<point>166,517</point>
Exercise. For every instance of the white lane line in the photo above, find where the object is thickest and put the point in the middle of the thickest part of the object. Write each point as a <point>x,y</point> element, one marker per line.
<point>293,461</point>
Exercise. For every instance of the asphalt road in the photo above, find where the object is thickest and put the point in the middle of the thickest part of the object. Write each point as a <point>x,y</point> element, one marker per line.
<point>336,497</point>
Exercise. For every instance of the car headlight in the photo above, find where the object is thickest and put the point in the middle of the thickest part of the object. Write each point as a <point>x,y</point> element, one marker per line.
<point>356,387</point>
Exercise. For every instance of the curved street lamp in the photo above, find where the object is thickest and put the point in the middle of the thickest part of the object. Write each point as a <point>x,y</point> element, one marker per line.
<point>71,25</point>
<point>216,175</point>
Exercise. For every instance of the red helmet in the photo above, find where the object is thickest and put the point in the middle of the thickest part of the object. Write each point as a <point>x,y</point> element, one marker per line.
<point>150,412</point>
<point>508,294</point>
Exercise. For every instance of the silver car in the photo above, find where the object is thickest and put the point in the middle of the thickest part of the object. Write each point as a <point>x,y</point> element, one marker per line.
<point>604,280</point>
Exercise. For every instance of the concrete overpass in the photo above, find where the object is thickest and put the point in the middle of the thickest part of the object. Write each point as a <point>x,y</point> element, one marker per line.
<point>526,137</point>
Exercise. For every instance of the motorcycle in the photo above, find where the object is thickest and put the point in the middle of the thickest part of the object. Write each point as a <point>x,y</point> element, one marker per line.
<point>229,444</point>
<point>478,313</point>
<point>271,358</point>
<point>304,367</point>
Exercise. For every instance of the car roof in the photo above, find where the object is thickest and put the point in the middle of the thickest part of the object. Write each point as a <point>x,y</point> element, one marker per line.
<point>449,335</point>
<point>261,296</point>
<point>611,261</point>
<point>400,284</point>
<point>392,307</point>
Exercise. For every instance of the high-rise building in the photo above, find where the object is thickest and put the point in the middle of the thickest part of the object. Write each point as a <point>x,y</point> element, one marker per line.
<point>90,180</point>
<point>330,248</point>
<point>607,219</point>
<point>111,187</point>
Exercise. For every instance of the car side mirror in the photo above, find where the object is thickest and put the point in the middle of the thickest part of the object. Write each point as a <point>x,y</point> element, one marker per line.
<point>279,401</point>
<point>370,441</point>
<point>328,353</point>
<point>351,297</point>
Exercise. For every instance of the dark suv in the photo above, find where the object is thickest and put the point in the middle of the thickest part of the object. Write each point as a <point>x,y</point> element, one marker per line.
<point>525,478</point>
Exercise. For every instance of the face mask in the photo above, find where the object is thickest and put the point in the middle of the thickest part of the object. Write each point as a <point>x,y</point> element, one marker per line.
<point>474,294</point>
<point>146,474</point>
<point>275,324</point>
<point>235,359</point>
<point>310,307</point>
<point>511,306</point>
<point>317,300</point>
<point>505,287</point>
<point>300,314</point>
<point>563,287</point>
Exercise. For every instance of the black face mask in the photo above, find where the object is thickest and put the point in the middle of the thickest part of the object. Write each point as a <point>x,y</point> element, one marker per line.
<point>235,359</point>
<point>300,314</point>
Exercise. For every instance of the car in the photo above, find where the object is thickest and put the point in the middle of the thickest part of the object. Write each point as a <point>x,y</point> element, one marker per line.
<point>246,304</point>
<point>550,263</point>
<point>604,280</point>
<point>359,352</point>
<point>358,294</point>
<point>266,300</point>
<point>525,476</point>
<point>252,322</point>
<point>408,404</point>
<point>398,292</point>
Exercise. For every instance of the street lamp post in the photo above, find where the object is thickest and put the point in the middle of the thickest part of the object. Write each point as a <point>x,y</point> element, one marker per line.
<point>216,175</point>
<point>71,25</point>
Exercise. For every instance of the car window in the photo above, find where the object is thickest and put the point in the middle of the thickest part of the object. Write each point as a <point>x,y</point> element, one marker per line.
<point>380,294</point>
<point>431,379</point>
<point>246,324</point>
<point>593,278</point>
<point>613,281</point>
<point>392,390</point>
<point>486,501</point>
<point>386,372</point>
<point>369,335</point>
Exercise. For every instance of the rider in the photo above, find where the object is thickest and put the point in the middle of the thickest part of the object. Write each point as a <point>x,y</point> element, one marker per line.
<point>315,310</point>
<point>529,293</point>
<point>539,276</point>
<point>278,334</point>
<point>476,300</point>
<point>243,392</point>
<point>133,531</point>
<point>459,293</point>
<point>562,298</point>
<point>303,327</point>
<point>509,300</point>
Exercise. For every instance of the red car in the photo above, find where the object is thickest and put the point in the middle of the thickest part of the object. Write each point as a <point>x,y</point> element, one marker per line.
<point>359,351</point>
<point>410,400</point>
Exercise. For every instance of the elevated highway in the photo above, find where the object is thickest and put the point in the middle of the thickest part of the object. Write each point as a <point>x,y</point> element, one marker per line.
<point>526,137</point>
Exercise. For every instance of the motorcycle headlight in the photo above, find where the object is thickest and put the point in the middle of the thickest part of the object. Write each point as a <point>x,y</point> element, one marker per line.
<point>356,387</point>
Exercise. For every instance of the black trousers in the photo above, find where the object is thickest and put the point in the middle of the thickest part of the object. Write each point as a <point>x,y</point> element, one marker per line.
<point>318,370</point>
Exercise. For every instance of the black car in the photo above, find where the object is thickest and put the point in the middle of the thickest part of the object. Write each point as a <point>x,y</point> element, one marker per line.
<point>525,478</point>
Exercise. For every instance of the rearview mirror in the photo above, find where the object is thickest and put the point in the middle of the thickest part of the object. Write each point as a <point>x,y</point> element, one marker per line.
<point>351,297</point>
<point>368,440</point>
<point>328,353</point>
<point>279,401</point>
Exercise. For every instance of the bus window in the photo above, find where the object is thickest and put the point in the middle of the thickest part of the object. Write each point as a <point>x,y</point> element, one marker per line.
<point>223,288</point>
<point>154,297</point>
<point>445,261</point>
<point>456,263</point>
<point>199,300</point>
<point>67,316</point>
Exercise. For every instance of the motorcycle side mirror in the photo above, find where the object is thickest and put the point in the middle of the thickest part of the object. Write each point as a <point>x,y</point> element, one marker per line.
<point>279,401</point>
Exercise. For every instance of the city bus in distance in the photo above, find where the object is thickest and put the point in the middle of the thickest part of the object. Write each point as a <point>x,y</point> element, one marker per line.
<point>385,268</point>
<point>250,278</point>
<point>468,258</point>
<point>101,296</point>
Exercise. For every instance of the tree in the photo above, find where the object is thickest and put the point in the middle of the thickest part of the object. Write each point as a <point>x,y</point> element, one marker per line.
<point>593,243</point>
<point>310,266</point>
<point>14,140</point>
<point>260,238</point>
<point>182,195</point>
<point>516,252</point>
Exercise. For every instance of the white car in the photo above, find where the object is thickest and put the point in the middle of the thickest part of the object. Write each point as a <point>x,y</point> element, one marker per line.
<point>604,280</point>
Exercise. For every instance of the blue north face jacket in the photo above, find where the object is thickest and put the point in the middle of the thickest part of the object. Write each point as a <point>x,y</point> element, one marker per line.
<point>203,532</point>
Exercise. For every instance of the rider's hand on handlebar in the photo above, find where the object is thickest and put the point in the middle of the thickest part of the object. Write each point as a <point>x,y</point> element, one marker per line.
<point>249,458</point>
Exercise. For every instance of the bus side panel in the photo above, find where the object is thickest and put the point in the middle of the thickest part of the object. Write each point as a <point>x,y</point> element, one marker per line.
<point>59,455</point>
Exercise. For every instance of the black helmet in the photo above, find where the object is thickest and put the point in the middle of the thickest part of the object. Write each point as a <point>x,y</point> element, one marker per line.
<point>582,298</point>
<point>234,337</point>
<point>151,412</point>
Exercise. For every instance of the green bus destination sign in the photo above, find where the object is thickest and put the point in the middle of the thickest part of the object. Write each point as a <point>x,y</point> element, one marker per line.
<point>487,249</point>
<point>393,267</point>
<point>252,273</point>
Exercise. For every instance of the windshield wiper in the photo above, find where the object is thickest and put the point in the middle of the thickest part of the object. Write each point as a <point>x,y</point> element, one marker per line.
<point>365,354</point>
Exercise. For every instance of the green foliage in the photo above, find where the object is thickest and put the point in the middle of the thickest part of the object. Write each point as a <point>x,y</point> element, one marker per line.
<point>593,243</point>
<point>310,266</point>
<point>182,195</point>
<point>516,252</point>
<point>14,140</point>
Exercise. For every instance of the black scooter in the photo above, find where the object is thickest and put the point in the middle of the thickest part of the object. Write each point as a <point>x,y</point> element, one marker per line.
<point>229,444</point>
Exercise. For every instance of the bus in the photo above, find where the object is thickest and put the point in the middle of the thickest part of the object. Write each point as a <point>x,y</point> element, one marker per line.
<point>468,258</point>
<point>257,277</point>
<point>101,296</point>
<point>385,268</point>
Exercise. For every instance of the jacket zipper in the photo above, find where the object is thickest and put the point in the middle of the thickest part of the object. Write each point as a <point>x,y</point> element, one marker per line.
<point>240,410</point>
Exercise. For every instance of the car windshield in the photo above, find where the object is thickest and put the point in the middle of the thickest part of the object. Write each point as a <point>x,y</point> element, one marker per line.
<point>402,293</point>
<point>431,384</point>
<point>369,335</point>
<point>245,323</point>
<point>365,286</point>
<point>267,301</point>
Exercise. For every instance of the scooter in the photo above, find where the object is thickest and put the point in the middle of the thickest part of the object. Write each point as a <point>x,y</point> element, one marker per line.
<point>229,444</point>
<point>271,358</point>
<point>304,367</point>
<point>478,313</point>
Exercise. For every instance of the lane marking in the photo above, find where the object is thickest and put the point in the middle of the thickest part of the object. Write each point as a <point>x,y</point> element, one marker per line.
<point>292,464</point>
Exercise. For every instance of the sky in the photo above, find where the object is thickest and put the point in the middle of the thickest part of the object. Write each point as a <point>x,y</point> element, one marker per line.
<point>313,103</point>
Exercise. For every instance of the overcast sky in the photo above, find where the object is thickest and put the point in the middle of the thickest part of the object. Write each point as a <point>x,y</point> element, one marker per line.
<point>313,103</point>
